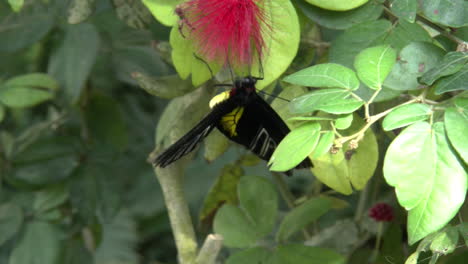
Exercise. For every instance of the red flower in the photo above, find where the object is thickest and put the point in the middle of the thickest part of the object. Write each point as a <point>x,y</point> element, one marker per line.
<point>381,212</point>
<point>226,31</point>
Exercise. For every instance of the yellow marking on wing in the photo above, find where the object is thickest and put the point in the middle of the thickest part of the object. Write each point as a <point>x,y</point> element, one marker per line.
<point>229,121</point>
<point>219,98</point>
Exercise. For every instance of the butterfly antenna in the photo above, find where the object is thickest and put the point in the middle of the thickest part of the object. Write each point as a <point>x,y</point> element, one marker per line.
<point>207,65</point>
<point>274,96</point>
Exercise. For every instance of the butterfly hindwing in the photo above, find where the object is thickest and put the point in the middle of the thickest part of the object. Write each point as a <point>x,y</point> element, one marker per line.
<point>189,141</point>
<point>257,127</point>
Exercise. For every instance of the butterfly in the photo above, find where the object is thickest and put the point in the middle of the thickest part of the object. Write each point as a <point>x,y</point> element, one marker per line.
<point>242,116</point>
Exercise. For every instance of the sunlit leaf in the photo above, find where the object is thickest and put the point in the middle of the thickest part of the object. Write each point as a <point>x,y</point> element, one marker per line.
<point>334,101</point>
<point>295,147</point>
<point>406,115</point>
<point>429,180</point>
<point>327,75</point>
<point>374,64</point>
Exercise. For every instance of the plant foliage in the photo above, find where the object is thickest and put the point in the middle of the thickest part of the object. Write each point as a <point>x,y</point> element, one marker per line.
<point>378,98</point>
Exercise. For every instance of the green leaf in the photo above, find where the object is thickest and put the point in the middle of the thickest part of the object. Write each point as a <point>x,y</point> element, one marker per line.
<point>282,42</point>
<point>25,28</point>
<point>329,75</point>
<point>300,254</point>
<point>259,199</point>
<point>450,13</point>
<point>405,9</point>
<point>301,216</point>
<point>169,86</point>
<point>342,235</point>
<point>72,62</point>
<point>445,242</point>
<point>414,60</point>
<point>50,198</point>
<point>334,101</point>
<point>250,256</point>
<point>347,45</point>
<point>19,97</point>
<point>341,20</point>
<point>343,122</point>
<point>295,147</point>
<point>27,90</point>
<point>93,192</point>
<point>374,64</point>
<point>80,10</point>
<point>453,82</point>
<point>132,59</point>
<point>349,166</point>
<point>324,144</point>
<point>11,219</point>
<point>33,80</point>
<point>134,13</point>
<point>450,64</point>
<point>456,125</point>
<point>16,5</point>
<point>163,10</point>
<point>29,251</point>
<point>429,180</point>
<point>105,130</point>
<point>406,115</point>
<point>337,5</point>
<point>404,33</point>
<point>45,161</point>
<point>185,62</point>
<point>463,229</point>
<point>216,145</point>
<point>223,191</point>
<point>235,227</point>
<point>2,112</point>
<point>119,240</point>
<point>310,118</point>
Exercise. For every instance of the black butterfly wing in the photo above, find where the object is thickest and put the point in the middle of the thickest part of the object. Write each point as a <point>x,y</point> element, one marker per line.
<point>260,129</point>
<point>189,141</point>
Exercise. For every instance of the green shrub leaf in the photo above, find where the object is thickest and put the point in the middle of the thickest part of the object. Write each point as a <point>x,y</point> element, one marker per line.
<point>406,115</point>
<point>334,101</point>
<point>456,124</point>
<point>11,219</point>
<point>299,217</point>
<point>235,227</point>
<point>429,180</point>
<point>329,75</point>
<point>295,147</point>
<point>374,64</point>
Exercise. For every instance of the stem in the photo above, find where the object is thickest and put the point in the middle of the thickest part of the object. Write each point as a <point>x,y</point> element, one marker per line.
<point>170,179</point>
<point>288,197</point>
<point>375,254</point>
<point>372,119</point>
<point>361,204</point>
<point>434,258</point>
<point>210,249</point>
<point>366,106</point>
<point>284,190</point>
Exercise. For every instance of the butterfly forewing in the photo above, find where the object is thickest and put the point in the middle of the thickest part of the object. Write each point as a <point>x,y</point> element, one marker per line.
<point>189,141</point>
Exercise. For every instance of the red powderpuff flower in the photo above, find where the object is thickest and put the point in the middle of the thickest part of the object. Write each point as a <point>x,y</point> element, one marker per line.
<point>381,212</point>
<point>226,31</point>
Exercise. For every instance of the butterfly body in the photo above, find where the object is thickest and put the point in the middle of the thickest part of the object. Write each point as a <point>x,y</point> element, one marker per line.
<point>244,117</point>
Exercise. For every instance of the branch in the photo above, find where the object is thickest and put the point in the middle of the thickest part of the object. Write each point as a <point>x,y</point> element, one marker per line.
<point>210,249</point>
<point>170,179</point>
